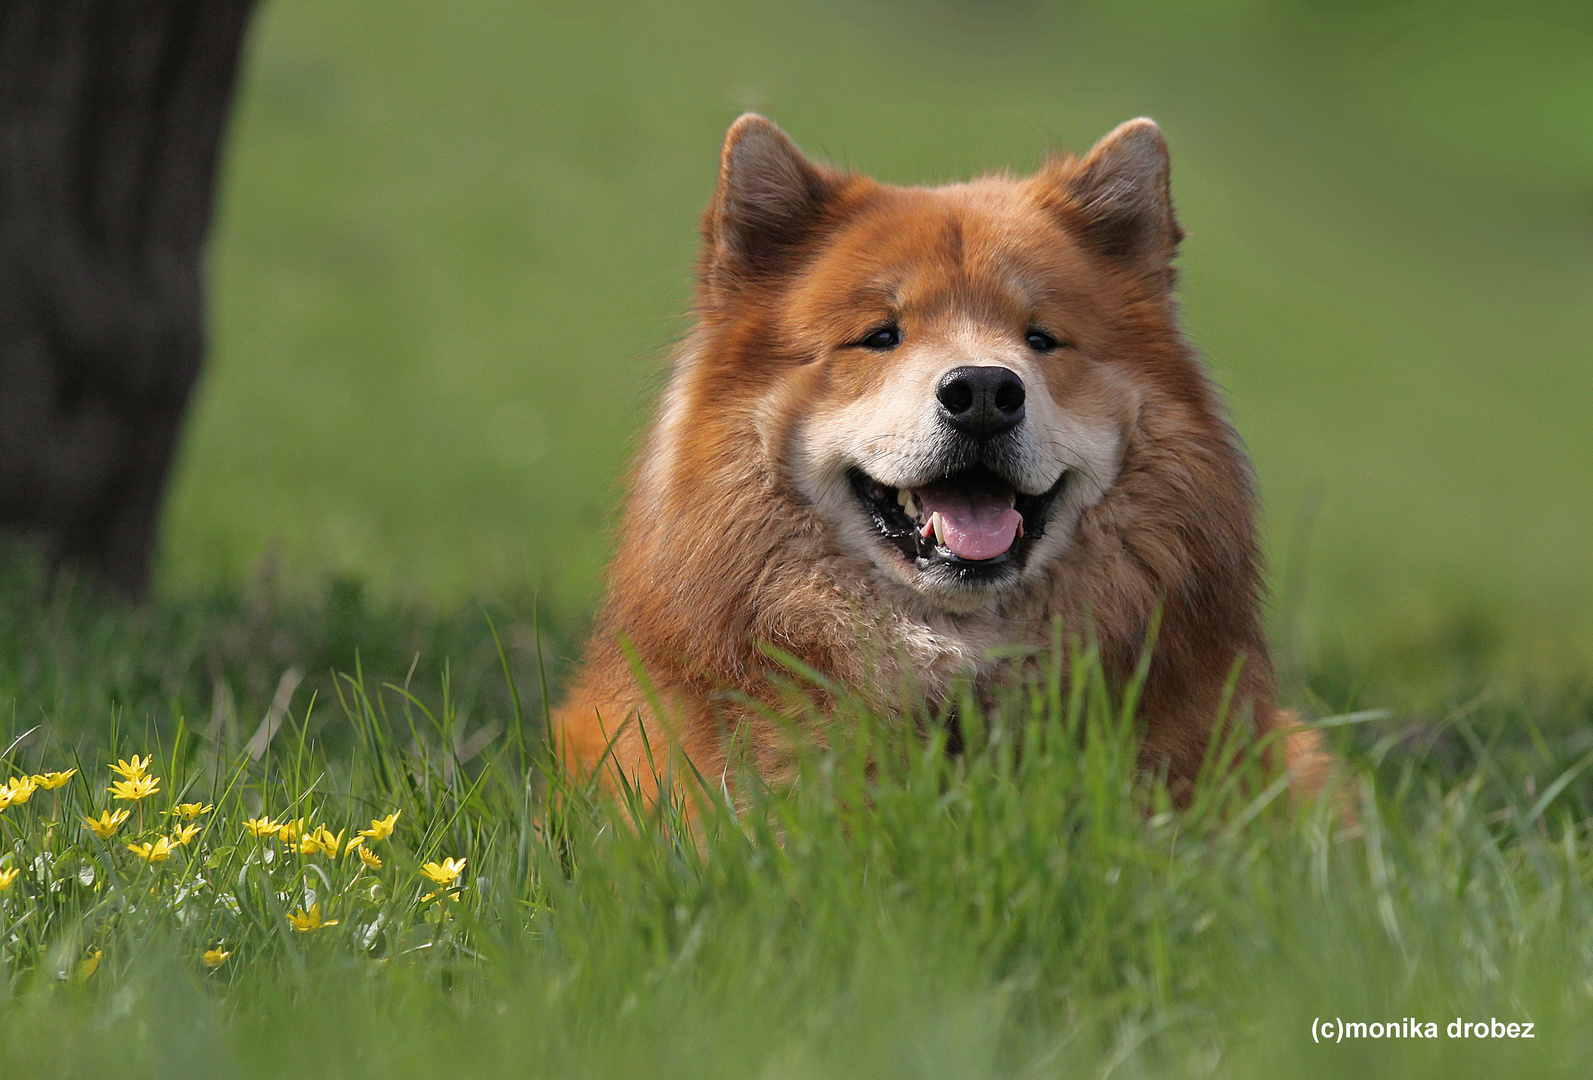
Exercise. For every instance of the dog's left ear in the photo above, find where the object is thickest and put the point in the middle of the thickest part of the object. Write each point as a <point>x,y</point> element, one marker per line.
<point>769,200</point>
<point>1118,198</point>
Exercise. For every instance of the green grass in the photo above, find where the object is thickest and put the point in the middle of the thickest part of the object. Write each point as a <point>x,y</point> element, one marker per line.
<point>1028,908</point>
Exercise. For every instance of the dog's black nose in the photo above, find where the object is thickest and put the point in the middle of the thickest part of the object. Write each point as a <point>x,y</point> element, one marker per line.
<point>981,401</point>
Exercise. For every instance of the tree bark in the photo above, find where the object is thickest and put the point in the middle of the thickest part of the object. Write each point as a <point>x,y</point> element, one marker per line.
<point>112,114</point>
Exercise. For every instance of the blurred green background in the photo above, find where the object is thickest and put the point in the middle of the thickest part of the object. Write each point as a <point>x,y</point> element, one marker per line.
<point>455,246</point>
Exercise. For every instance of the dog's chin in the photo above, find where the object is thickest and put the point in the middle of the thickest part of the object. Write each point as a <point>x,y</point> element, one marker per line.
<point>957,561</point>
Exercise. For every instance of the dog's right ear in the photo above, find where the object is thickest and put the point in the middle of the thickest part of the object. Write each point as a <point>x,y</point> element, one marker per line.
<point>1118,197</point>
<point>769,200</point>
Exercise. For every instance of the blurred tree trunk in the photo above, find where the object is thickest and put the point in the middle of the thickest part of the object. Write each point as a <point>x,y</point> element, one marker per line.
<point>111,119</point>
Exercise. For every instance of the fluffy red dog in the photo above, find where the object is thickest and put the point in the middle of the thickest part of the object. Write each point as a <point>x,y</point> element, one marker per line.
<point>914,424</point>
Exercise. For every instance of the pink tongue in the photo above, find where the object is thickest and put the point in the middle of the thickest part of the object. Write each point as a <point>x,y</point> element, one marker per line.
<point>974,526</point>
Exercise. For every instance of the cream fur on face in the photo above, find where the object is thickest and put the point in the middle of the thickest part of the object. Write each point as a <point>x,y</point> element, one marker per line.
<point>896,436</point>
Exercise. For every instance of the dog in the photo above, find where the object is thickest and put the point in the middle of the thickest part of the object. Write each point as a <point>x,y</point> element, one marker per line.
<point>914,425</point>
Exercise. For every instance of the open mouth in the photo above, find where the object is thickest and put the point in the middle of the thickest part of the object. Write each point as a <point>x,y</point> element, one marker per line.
<point>972,522</point>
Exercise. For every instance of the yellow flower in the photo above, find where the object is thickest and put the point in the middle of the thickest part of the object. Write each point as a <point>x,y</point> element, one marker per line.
<point>290,831</point>
<point>381,828</point>
<point>159,851</point>
<point>107,823</point>
<point>8,876</point>
<point>305,921</point>
<point>190,810</point>
<point>451,894</point>
<point>443,874</point>
<point>5,796</point>
<point>311,841</point>
<point>330,845</point>
<point>136,769</point>
<point>184,835</point>
<point>21,789</point>
<point>370,859</point>
<point>51,780</point>
<point>262,826</point>
<point>133,790</point>
<point>320,841</point>
<point>90,964</point>
<point>214,958</point>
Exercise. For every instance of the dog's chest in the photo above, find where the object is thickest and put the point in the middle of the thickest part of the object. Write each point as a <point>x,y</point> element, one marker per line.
<point>936,655</point>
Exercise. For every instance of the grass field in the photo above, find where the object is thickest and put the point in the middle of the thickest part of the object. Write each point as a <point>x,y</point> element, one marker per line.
<point>897,912</point>
<point>454,248</point>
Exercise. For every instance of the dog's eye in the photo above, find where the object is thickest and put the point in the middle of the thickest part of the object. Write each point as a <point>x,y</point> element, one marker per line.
<point>1040,341</point>
<point>883,337</point>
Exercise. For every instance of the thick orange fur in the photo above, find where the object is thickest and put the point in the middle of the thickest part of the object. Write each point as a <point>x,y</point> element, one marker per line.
<point>736,531</point>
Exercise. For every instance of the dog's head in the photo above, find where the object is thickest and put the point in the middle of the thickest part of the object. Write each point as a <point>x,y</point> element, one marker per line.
<point>947,376</point>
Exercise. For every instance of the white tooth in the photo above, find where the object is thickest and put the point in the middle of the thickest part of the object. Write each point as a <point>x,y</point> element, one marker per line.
<point>939,527</point>
<point>903,496</point>
<point>911,506</point>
